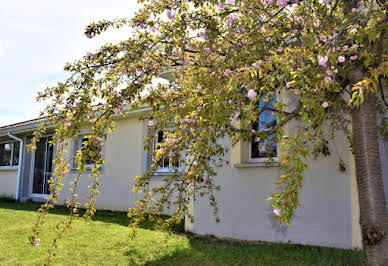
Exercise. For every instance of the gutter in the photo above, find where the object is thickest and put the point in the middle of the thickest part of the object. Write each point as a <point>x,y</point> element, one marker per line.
<point>20,163</point>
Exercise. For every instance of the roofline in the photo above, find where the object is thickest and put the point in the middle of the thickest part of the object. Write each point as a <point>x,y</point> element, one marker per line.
<point>32,124</point>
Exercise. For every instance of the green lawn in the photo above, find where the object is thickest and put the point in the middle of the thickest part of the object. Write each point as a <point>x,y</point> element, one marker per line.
<point>105,242</point>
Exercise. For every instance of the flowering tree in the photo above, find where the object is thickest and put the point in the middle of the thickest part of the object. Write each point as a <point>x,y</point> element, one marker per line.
<point>228,60</point>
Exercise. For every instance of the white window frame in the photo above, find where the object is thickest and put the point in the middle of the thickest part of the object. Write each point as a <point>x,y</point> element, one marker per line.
<point>263,159</point>
<point>170,168</point>
<point>11,166</point>
<point>80,141</point>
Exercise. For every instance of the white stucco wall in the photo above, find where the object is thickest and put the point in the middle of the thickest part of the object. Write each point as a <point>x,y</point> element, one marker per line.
<point>325,217</point>
<point>123,154</point>
<point>8,179</point>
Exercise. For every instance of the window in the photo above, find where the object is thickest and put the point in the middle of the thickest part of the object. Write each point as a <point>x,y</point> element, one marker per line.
<point>9,154</point>
<point>166,164</point>
<point>94,151</point>
<point>260,150</point>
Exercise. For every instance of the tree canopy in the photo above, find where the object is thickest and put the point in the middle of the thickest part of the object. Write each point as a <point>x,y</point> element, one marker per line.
<point>229,60</point>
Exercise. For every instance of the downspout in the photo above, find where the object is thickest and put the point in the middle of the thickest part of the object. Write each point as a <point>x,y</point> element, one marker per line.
<point>20,163</point>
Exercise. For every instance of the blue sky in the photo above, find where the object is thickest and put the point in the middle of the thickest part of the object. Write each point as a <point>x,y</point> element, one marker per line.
<point>38,37</point>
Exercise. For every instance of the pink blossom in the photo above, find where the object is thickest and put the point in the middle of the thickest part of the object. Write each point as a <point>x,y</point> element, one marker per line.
<point>88,35</point>
<point>354,31</point>
<point>288,84</point>
<point>277,212</point>
<point>354,10</point>
<point>354,47</point>
<point>325,104</point>
<point>326,1</point>
<point>346,48</point>
<point>322,60</point>
<point>67,124</point>
<point>230,101</point>
<point>356,26</point>
<point>327,79</point>
<point>323,39</point>
<point>226,73</point>
<point>251,94</point>
<point>354,57</point>
<point>36,242</point>
<point>341,59</point>
<point>221,6</point>
<point>150,123</point>
<point>118,111</point>
<point>63,143</point>
<point>98,139</point>
<point>93,120</point>
<point>230,2</point>
<point>268,2</point>
<point>68,166</point>
<point>169,14</point>
<point>295,31</point>
<point>281,3</point>
<point>317,24</point>
<point>280,49</point>
<point>199,88</point>
<point>195,163</point>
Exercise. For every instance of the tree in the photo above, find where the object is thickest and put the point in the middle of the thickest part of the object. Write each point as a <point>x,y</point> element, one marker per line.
<point>226,57</point>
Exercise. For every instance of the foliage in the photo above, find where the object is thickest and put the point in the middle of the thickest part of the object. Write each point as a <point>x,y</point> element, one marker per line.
<point>101,242</point>
<point>226,57</point>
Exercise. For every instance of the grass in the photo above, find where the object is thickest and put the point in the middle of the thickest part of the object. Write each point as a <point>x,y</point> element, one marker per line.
<point>105,241</point>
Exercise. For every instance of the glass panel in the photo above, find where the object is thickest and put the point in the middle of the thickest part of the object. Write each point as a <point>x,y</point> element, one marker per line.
<point>5,154</point>
<point>91,149</point>
<point>39,163</point>
<point>42,166</point>
<point>266,120</point>
<point>16,148</point>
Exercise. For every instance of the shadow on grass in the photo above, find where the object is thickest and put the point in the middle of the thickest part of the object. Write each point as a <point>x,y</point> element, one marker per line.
<point>213,251</point>
<point>106,216</point>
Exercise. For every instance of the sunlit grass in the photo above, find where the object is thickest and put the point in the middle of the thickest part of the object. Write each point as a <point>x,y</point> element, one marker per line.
<point>105,241</point>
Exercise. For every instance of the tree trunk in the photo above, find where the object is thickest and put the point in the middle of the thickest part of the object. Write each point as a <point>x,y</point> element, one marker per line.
<point>373,208</point>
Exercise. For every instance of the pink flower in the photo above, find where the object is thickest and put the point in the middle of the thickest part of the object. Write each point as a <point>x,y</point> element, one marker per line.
<point>277,212</point>
<point>199,88</point>
<point>67,124</point>
<point>230,2</point>
<point>326,1</point>
<point>169,14</point>
<point>36,242</point>
<point>221,6</point>
<point>327,79</point>
<point>354,10</point>
<point>346,48</point>
<point>317,24</point>
<point>93,120</point>
<point>230,102</point>
<point>325,104</point>
<point>226,73</point>
<point>150,123</point>
<point>195,163</point>
<point>341,59</point>
<point>354,47</point>
<point>354,31</point>
<point>268,2</point>
<point>356,26</point>
<point>118,111</point>
<point>288,84</point>
<point>98,139</point>
<point>353,57</point>
<point>280,49</point>
<point>68,166</point>
<point>88,35</point>
<point>322,60</point>
<point>63,143</point>
<point>281,3</point>
<point>251,94</point>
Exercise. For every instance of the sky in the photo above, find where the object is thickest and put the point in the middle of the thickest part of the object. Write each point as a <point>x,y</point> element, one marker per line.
<point>38,37</point>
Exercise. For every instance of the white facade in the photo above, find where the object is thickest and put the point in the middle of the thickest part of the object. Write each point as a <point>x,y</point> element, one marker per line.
<point>328,216</point>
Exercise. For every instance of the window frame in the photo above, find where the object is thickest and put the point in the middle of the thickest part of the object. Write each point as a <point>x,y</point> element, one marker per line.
<point>250,143</point>
<point>165,170</point>
<point>80,141</point>
<point>11,166</point>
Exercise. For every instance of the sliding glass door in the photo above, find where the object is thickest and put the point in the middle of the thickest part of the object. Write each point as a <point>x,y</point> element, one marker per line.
<point>42,166</point>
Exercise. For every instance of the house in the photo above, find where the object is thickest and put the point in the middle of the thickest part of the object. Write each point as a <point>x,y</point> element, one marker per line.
<point>328,216</point>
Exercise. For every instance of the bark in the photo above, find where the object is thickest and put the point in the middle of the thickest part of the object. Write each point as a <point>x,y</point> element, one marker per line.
<point>373,208</point>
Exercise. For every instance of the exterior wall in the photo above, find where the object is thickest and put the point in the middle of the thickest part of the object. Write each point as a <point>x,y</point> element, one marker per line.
<point>124,158</point>
<point>324,218</point>
<point>8,180</point>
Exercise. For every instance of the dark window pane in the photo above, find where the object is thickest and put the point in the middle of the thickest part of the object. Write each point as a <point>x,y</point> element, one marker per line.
<point>266,120</point>
<point>16,149</point>
<point>93,151</point>
<point>5,154</point>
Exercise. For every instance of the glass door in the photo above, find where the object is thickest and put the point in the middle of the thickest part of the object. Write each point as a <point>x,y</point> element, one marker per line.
<point>42,166</point>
